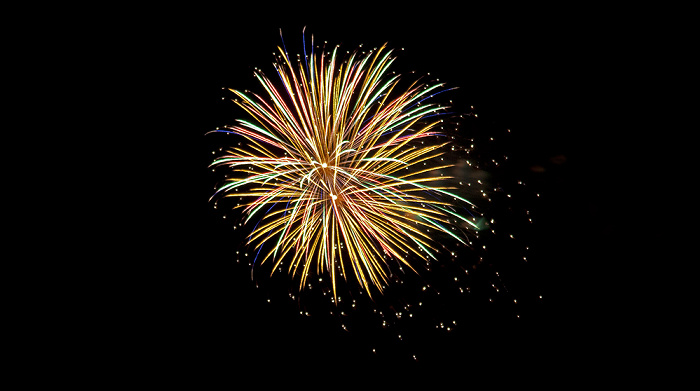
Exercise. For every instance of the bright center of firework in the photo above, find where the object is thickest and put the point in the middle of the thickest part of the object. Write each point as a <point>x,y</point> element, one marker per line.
<point>333,196</point>
<point>324,165</point>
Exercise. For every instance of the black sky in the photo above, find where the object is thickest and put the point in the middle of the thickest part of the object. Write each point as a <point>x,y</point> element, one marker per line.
<point>537,72</point>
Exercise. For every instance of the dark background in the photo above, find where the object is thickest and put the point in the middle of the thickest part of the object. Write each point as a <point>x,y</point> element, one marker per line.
<point>183,307</point>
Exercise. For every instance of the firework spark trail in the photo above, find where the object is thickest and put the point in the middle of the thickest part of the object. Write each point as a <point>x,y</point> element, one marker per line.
<point>333,157</point>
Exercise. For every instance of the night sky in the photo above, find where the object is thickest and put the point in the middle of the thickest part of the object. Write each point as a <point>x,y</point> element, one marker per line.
<point>190,308</point>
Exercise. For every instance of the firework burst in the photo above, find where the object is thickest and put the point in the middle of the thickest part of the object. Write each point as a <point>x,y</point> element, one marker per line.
<point>341,172</point>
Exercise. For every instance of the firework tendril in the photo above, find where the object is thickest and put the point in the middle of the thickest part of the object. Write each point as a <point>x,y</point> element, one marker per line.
<point>332,169</point>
